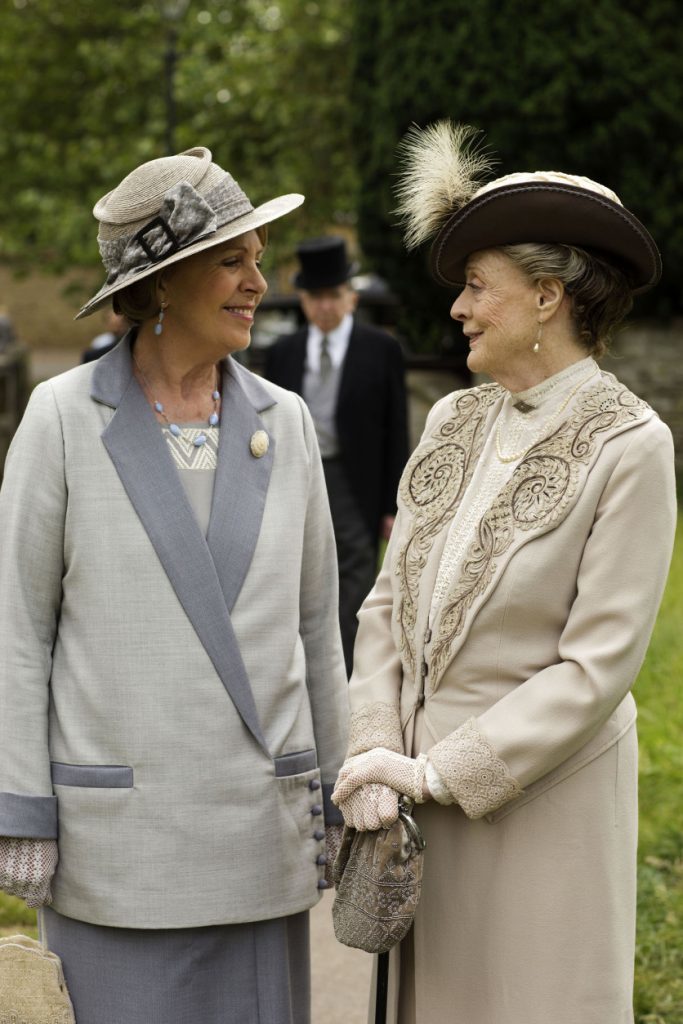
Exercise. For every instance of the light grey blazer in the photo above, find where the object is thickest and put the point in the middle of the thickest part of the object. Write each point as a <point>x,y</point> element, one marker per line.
<point>169,704</point>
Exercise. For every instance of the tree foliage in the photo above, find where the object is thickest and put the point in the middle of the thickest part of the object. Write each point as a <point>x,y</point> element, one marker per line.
<point>83,90</point>
<point>593,87</point>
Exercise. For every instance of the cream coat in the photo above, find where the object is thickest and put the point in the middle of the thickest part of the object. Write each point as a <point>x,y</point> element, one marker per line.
<point>170,703</point>
<point>528,911</point>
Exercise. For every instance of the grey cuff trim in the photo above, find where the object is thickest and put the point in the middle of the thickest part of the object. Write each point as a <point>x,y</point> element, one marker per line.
<point>333,816</point>
<point>28,817</point>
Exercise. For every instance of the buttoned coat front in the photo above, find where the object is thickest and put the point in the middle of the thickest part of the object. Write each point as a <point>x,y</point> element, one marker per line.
<point>528,906</point>
<point>171,703</point>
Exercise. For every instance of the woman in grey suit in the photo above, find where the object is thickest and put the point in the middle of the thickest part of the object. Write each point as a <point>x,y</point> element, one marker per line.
<point>496,653</point>
<point>172,681</point>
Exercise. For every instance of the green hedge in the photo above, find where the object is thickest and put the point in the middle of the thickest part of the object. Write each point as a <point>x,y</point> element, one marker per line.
<point>591,87</point>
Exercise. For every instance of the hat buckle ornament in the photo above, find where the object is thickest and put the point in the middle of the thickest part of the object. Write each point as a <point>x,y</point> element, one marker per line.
<point>168,209</point>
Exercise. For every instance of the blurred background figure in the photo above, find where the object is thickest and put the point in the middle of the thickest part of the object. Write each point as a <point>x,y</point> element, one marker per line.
<point>116,327</point>
<point>352,379</point>
<point>7,335</point>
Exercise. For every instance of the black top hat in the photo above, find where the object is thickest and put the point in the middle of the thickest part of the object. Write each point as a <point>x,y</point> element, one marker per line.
<point>324,263</point>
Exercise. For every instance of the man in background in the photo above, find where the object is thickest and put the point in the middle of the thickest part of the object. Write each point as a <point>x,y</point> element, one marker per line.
<point>351,376</point>
<point>116,327</point>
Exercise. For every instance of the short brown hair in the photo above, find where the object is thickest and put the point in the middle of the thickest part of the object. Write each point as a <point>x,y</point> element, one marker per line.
<point>138,301</point>
<point>601,296</point>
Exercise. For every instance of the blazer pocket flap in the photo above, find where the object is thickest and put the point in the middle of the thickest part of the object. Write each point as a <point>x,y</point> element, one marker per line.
<point>95,776</point>
<point>295,764</point>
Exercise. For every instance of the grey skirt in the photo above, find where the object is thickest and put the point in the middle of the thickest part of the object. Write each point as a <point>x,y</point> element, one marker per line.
<point>225,974</point>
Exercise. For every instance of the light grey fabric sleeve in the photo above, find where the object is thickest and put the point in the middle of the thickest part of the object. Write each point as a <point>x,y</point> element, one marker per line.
<point>326,675</point>
<point>32,511</point>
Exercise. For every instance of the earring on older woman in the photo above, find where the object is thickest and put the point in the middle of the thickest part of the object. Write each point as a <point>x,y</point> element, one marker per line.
<point>159,325</point>
<point>537,343</point>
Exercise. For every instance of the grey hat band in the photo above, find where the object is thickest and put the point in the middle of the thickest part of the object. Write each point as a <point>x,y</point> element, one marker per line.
<point>169,209</point>
<point>184,217</point>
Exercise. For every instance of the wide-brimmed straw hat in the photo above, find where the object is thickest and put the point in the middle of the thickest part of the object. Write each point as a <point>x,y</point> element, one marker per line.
<point>168,209</point>
<point>441,198</point>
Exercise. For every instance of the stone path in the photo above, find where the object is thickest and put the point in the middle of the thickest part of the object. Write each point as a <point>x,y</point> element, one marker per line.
<point>340,976</point>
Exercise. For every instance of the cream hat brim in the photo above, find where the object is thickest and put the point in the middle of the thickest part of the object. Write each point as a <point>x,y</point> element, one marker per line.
<point>262,215</point>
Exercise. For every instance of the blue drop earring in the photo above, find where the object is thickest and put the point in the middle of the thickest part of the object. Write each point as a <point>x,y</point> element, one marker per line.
<point>159,325</point>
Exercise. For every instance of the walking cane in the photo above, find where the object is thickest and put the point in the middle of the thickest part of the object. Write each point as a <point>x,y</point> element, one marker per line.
<point>382,988</point>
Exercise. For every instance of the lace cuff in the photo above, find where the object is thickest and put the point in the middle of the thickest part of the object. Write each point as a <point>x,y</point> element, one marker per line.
<point>375,725</point>
<point>473,773</point>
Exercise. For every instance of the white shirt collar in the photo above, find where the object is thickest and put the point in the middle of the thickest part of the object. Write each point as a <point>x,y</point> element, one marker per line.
<point>552,389</point>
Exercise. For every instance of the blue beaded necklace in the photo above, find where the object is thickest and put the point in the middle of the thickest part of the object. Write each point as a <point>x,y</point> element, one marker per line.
<point>176,430</point>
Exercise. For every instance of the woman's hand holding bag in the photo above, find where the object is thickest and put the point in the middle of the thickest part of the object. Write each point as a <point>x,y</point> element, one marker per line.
<point>382,767</point>
<point>370,807</point>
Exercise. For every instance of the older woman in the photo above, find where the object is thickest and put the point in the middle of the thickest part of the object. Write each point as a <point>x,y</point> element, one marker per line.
<point>496,652</point>
<point>173,687</point>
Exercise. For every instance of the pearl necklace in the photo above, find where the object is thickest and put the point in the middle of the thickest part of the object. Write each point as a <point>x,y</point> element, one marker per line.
<point>545,428</point>
<point>176,430</point>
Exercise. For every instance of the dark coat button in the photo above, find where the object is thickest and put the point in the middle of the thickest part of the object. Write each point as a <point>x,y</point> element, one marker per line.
<point>316,809</point>
<point>319,834</point>
<point>322,884</point>
<point>314,784</point>
<point>321,859</point>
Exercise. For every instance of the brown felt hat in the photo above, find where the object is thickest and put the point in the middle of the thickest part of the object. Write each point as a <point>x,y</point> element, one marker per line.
<point>548,207</point>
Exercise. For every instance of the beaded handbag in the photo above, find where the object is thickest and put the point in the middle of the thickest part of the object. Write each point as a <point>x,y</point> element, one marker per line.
<point>32,986</point>
<point>378,877</point>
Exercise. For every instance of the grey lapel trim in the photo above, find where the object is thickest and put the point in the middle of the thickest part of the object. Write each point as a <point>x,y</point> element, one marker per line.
<point>141,458</point>
<point>242,480</point>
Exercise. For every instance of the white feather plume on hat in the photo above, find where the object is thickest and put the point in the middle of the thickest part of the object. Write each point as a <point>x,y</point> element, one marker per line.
<point>442,165</point>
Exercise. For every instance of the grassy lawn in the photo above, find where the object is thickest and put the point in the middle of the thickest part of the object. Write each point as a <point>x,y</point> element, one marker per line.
<point>659,692</point>
<point>659,963</point>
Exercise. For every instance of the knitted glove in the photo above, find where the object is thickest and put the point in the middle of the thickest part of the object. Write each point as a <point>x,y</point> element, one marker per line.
<point>370,807</point>
<point>27,867</point>
<point>401,773</point>
<point>333,838</point>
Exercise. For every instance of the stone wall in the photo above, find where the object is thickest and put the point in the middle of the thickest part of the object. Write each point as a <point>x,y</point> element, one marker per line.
<point>42,308</point>
<point>649,361</point>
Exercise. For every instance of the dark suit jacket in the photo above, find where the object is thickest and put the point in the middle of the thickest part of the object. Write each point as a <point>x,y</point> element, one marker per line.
<point>371,411</point>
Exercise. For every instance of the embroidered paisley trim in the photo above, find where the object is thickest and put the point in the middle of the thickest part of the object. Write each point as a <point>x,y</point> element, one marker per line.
<point>473,773</point>
<point>375,725</point>
<point>537,498</point>
<point>431,488</point>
